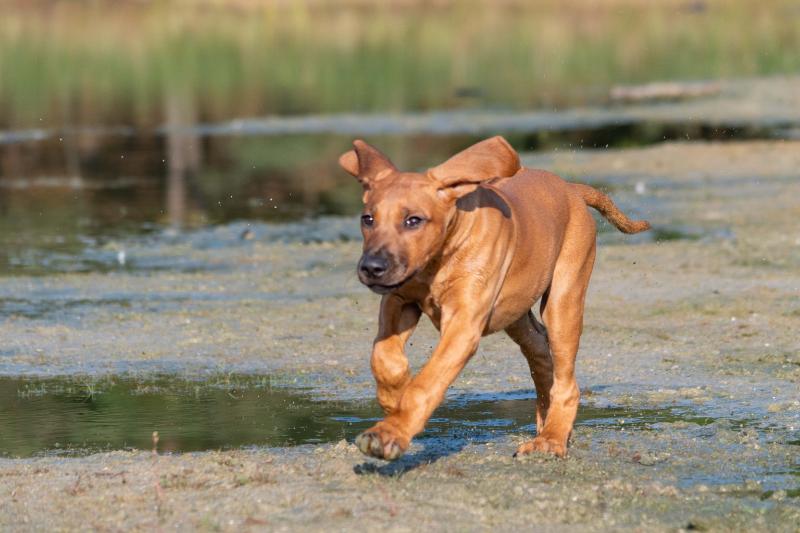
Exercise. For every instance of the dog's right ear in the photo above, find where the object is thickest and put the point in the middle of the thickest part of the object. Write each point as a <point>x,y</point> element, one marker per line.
<point>366,163</point>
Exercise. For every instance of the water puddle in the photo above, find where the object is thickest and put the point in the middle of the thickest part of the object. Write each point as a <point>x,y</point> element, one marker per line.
<point>71,417</point>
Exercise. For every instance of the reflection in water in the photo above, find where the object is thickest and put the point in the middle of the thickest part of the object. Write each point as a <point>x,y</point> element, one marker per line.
<point>183,151</point>
<point>70,416</point>
<point>131,185</point>
<point>121,179</point>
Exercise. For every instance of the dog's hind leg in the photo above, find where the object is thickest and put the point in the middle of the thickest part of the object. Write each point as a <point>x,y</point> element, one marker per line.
<point>563,316</point>
<point>531,337</point>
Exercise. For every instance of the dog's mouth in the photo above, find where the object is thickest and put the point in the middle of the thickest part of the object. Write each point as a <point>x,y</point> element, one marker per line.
<point>386,289</point>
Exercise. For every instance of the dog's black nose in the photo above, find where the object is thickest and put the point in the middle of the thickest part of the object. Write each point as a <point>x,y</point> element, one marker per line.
<point>373,266</point>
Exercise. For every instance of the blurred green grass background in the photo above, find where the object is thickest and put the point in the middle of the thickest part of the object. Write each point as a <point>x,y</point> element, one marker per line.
<point>112,62</point>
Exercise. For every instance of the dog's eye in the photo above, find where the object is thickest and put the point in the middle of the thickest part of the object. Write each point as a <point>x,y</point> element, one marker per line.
<point>367,220</point>
<point>412,222</point>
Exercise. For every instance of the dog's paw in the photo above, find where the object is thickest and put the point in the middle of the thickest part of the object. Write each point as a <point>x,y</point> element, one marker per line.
<point>542,444</point>
<point>383,442</point>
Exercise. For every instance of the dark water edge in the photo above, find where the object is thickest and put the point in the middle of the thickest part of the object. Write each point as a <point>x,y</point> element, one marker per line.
<point>67,202</point>
<point>89,181</point>
<point>73,417</point>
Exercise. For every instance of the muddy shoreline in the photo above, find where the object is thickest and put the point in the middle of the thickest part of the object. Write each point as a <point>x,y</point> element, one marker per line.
<point>704,317</point>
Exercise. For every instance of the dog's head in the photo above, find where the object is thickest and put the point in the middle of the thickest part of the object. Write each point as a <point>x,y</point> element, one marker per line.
<point>407,214</point>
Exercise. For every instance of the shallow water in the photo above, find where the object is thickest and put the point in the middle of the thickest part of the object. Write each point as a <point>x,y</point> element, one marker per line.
<point>77,417</point>
<point>68,416</point>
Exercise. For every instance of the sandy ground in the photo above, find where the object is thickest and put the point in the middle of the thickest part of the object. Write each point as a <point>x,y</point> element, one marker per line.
<point>707,322</point>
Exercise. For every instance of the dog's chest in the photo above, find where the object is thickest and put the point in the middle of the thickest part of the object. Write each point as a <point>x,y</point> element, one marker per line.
<point>432,310</point>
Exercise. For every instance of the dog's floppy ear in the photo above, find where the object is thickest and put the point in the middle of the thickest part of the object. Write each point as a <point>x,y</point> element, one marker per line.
<point>483,161</point>
<point>366,163</point>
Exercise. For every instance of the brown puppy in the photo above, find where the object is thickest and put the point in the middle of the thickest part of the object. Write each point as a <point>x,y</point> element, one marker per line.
<point>474,243</point>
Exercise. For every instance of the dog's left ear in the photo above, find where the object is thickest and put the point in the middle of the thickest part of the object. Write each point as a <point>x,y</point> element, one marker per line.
<point>483,161</point>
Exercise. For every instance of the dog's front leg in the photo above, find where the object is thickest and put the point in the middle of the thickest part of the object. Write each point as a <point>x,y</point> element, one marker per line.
<point>389,363</point>
<point>389,438</point>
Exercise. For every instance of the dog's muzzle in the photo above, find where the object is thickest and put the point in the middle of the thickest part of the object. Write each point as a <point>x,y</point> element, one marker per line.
<point>372,268</point>
<point>379,271</point>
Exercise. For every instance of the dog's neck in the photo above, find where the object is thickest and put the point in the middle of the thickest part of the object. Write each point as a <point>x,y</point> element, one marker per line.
<point>456,232</point>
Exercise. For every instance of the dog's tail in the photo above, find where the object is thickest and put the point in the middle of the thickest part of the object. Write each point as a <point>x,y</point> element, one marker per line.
<point>611,212</point>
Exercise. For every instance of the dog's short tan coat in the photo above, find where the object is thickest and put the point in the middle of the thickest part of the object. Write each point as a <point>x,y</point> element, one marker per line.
<point>474,243</point>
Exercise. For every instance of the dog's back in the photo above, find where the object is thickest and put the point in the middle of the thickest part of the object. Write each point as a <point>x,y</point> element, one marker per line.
<point>547,212</point>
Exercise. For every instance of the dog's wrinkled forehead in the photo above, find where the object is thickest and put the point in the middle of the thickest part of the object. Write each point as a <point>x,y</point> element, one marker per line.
<point>401,188</point>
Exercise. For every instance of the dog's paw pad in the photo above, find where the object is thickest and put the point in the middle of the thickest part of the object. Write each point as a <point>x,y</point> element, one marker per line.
<point>543,445</point>
<point>371,444</point>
